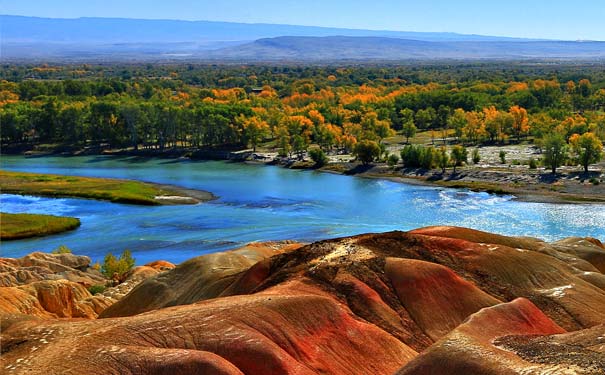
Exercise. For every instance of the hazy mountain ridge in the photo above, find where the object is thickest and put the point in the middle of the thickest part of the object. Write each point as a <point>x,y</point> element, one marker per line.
<point>376,48</point>
<point>25,38</point>
<point>124,30</point>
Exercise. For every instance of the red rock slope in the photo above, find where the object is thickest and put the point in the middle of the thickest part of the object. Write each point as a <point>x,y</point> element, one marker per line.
<point>469,302</point>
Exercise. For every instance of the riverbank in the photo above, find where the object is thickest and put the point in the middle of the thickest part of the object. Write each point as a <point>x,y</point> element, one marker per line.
<point>527,186</point>
<point>569,185</point>
<point>113,190</point>
<point>20,226</point>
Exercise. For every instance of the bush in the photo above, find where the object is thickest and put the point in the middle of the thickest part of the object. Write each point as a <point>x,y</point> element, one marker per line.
<point>533,164</point>
<point>594,181</point>
<point>62,250</point>
<point>428,157</point>
<point>476,157</point>
<point>392,160</point>
<point>419,156</point>
<point>96,289</point>
<point>410,156</point>
<point>367,151</point>
<point>318,156</point>
<point>502,157</point>
<point>117,268</point>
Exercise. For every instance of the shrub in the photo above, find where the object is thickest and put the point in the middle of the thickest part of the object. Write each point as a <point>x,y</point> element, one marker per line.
<point>367,151</point>
<point>594,181</point>
<point>62,250</point>
<point>410,156</point>
<point>96,289</point>
<point>533,164</point>
<point>419,156</point>
<point>427,157</point>
<point>392,160</point>
<point>318,156</point>
<point>476,157</point>
<point>502,155</point>
<point>117,268</point>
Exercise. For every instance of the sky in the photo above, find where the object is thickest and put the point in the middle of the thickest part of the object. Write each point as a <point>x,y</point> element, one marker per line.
<point>548,19</point>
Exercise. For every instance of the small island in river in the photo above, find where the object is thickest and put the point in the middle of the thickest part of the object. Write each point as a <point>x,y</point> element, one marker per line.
<point>18,226</point>
<point>113,190</point>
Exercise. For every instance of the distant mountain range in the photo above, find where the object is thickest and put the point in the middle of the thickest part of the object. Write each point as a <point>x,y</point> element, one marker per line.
<point>85,39</point>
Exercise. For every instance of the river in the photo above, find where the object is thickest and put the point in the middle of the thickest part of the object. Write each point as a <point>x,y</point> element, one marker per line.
<point>259,203</point>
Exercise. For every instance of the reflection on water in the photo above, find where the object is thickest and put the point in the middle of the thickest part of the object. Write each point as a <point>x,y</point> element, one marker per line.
<point>269,203</point>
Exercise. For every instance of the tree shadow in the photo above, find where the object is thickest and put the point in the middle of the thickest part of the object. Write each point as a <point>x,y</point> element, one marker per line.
<point>361,168</point>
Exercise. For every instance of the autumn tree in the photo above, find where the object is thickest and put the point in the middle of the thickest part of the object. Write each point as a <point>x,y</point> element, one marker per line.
<point>493,127</point>
<point>475,127</point>
<point>253,130</point>
<point>587,148</point>
<point>520,121</point>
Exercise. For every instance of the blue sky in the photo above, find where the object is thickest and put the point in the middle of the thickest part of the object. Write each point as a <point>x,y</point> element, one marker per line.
<point>554,19</point>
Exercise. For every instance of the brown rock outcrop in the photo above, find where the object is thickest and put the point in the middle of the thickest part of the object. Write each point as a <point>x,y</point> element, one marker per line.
<point>56,286</point>
<point>204,277</point>
<point>42,266</point>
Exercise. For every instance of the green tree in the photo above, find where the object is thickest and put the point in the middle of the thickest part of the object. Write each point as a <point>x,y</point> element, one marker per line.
<point>367,151</point>
<point>406,115</point>
<point>409,130</point>
<point>443,159</point>
<point>392,160</point>
<point>411,156</point>
<point>117,268</point>
<point>457,121</point>
<point>502,155</point>
<point>425,118</point>
<point>318,156</point>
<point>62,249</point>
<point>587,148</point>
<point>459,155</point>
<point>555,150</point>
<point>299,145</point>
<point>476,157</point>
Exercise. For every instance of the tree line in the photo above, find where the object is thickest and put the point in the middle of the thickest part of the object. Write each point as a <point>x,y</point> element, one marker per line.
<point>292,108</point>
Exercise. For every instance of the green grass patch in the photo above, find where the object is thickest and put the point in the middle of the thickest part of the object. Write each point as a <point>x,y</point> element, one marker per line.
<point>17,226</point>
<point>113,190</point>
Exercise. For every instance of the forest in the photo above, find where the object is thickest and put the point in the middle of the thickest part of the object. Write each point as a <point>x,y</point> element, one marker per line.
<point>295,109</point>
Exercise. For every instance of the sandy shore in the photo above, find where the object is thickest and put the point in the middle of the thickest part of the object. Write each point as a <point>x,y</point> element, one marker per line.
<point>181,195</point>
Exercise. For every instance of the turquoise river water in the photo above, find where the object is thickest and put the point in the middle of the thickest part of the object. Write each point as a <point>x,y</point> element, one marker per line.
<point>259,203</point>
